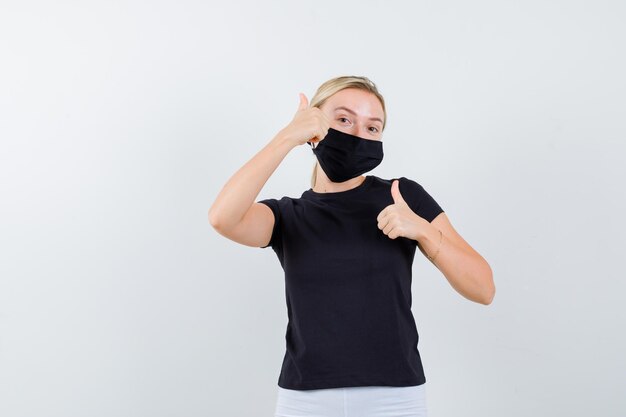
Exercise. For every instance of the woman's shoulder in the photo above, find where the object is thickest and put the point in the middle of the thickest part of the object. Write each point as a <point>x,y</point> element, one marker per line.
<point>409,182</point>
<point>415,194</point>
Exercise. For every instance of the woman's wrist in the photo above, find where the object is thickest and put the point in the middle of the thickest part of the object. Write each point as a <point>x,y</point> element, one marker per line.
<point>282,140</point>
<point>423,229</point>
<point>430,240</point>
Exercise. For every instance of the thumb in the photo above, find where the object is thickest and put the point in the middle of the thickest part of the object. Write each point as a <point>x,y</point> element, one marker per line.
<point>304,102</point>
<point>395,193</point>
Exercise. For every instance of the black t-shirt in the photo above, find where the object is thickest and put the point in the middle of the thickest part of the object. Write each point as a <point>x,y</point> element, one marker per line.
<point>348,287</point>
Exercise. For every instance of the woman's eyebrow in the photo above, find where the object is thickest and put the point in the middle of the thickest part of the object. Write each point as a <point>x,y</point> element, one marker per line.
<point>353,113</point>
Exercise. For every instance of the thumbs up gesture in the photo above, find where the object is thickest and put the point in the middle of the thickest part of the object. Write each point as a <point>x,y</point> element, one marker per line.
<point>308,124</point>
<point>398,219</point>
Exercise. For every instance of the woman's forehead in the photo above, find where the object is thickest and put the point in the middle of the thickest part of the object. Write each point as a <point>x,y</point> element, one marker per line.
<point>356,101</point>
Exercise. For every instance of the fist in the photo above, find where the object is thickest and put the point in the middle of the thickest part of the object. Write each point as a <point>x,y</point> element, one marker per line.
<point>398,219</point>
<point>308,124</point>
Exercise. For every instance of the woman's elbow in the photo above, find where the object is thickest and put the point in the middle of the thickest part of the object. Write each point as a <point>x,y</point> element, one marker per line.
<point>488,297</point>
<point>216,220</point>
<point>489,290</point>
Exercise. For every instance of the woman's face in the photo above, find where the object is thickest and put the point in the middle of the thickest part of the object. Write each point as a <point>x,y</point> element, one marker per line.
<point>355,111</point>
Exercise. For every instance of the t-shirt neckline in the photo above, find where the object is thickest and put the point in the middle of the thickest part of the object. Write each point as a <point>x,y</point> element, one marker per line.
<point>340,194</point>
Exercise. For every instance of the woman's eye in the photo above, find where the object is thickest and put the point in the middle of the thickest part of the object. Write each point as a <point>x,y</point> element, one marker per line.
<point>375,129</point>
<point>342,119</point>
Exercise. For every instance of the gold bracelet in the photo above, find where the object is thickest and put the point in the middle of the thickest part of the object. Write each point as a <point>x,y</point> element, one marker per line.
<point>432,259</point>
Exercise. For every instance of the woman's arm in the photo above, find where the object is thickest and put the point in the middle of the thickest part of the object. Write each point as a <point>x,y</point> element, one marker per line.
<point>464,268</point>
<point>468,272</point>
<point>234,213</point>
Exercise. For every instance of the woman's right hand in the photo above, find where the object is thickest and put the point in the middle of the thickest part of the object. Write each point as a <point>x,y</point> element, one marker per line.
<point>309,124</point>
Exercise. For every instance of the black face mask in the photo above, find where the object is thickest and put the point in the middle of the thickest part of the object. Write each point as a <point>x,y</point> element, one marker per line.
<point>343,156</point>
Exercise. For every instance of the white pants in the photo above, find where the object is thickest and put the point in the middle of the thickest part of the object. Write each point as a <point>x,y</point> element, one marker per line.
<point>369,401</point>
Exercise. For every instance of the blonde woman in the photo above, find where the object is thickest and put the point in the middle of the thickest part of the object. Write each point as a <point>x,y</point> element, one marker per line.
<point>347,246</point>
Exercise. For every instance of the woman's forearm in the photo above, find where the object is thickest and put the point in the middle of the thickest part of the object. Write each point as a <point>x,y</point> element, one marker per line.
<point>243,187</point>
<point>465,269</point>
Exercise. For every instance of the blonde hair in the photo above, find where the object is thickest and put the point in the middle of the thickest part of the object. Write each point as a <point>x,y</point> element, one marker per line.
<point>337,84</point>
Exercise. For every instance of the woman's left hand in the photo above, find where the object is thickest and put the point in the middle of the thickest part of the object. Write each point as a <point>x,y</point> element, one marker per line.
<point>398,219</point>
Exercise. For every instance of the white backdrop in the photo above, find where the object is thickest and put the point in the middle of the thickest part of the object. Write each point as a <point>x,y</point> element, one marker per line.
<point>121,121</point>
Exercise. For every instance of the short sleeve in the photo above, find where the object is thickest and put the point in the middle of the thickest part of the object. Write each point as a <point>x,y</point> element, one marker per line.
<point>420,201</point>
<point>272,203</point>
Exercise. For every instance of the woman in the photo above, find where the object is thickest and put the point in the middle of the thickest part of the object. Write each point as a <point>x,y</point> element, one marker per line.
<point>347,247</point>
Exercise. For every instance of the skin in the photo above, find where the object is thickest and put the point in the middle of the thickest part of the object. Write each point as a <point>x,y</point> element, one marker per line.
<point>237,216</point>
<point>358,113</point>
